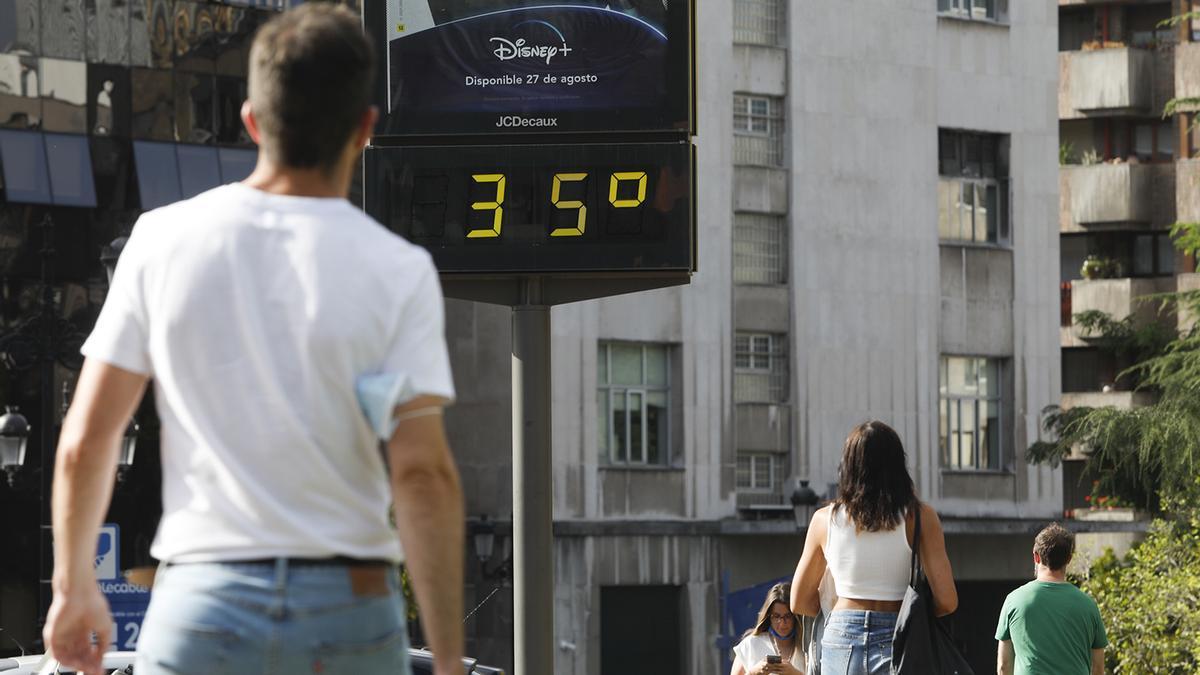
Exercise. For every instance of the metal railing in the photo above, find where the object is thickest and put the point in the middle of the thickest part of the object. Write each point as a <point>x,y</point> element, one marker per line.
<point>759,22</point>
<point>760,251</point>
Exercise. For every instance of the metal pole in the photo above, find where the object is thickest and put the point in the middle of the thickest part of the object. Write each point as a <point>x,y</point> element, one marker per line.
<point>533,536</point>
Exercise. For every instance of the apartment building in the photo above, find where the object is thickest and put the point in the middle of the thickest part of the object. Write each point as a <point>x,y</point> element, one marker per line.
<point>1127,174</point>
<point>874,187</point>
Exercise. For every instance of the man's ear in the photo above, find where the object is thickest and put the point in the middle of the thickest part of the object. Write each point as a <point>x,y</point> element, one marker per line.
<point>1037,559</point>
<point>250,122</point>
<point>366,126</point>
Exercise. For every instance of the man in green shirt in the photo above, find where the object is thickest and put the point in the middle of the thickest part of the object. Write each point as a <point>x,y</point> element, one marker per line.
<point>1048,626</point>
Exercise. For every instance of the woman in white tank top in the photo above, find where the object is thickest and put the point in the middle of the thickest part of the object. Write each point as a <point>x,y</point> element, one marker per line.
<point>864,539</point>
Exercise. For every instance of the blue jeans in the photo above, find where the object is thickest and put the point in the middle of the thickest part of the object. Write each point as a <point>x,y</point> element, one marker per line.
<point>858,642</point>
<point>271,618</point>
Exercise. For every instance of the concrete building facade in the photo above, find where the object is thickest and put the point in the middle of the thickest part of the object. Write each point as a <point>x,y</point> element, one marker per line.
<point>873,243</point>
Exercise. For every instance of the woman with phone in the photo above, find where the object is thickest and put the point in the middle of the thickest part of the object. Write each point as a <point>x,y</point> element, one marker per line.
<point>774,644</point>
<point>865,538</point>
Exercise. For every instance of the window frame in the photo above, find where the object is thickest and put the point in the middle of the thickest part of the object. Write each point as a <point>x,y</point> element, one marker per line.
<point>775,471</point>
<point>980,161</point>
<point>771,363</point>
<point>760,22</point>
<point>948,402</point>
<point>610,391</point>
<point>772,132</point>
<point>967,10</point>
<point>760,249</point>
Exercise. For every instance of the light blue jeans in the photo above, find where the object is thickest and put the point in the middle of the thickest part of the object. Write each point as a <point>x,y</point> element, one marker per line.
<point>858,642</point>
<point>269,619</point>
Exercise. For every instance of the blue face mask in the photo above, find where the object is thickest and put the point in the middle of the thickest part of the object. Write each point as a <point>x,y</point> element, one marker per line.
<point>789,636</point>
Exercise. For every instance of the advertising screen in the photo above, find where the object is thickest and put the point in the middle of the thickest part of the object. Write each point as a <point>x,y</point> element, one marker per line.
<point>520,66</point>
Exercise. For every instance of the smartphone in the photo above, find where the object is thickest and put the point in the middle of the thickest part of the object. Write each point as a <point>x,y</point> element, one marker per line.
<point>774,658</point>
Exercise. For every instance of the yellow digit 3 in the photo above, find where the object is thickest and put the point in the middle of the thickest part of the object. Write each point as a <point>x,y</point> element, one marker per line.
<point>496,206</point>
<point>581,221</point>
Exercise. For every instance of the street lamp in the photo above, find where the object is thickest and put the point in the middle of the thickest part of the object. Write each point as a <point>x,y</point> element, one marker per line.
<point>14,436</point>
<point>804,503</point>
<point>483,533</point>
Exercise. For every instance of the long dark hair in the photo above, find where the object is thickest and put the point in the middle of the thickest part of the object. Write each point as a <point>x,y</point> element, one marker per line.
<point>782,593</point>
<point>874,485</point>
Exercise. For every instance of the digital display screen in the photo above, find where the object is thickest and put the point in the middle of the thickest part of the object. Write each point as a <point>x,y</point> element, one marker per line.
<point>539,208</point>
<point>517,66</point>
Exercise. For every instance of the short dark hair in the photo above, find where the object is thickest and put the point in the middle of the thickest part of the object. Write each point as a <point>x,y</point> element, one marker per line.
<point>311,73</point>
<point>874,484</point>
<point>1055,545</point>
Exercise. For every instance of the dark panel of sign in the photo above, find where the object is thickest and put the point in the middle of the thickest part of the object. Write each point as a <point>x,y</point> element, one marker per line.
<point>512,66</point>
<point>539,208</point>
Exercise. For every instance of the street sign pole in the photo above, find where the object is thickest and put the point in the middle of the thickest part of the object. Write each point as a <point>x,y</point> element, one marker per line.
<point>533,535</point>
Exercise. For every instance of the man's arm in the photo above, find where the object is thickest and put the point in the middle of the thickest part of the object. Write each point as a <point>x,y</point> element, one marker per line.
<point>1098,661</point>
<point>105,398</point>
<point>429,517</point>
<point>1005,658</point>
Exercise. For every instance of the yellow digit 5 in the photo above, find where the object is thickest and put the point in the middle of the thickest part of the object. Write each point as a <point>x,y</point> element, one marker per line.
<point>615,182</point>
<point>581,223</point>
<point>498,179</point>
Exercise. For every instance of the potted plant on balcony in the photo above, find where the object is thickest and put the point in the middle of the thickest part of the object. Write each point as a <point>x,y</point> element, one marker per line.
<point>1100,267</point>
<point>1108,507</point>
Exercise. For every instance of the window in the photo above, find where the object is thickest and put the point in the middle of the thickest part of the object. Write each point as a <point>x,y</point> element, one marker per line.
<point>975,10</point>
<point>634,403</point>
<point>759,249</point>
<point>760,368</point>
<point>47,168</point>
<point>758,130</point>
<point>759,471</point>
<point>1136,254</point>
<point>971,413</point>
<point>972,191</point>
<point>168,172</point>
<point>758,22</point>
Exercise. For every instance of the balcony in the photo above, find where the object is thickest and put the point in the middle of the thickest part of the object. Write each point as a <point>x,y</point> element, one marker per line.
<point>1107,195</point>
<point>1119,298</point>
<point>1121,400</point>
<point>1187,190</point>
<point>1187,72</point>
<point>1100,82</point>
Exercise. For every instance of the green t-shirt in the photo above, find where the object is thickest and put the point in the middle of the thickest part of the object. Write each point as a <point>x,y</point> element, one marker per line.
<point>1053,627</point>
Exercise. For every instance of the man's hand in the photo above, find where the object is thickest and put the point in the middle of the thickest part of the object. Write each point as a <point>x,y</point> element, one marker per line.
<point>74,617</point>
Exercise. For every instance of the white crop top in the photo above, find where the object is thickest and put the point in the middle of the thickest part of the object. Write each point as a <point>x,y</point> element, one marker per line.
<point>867,565</point>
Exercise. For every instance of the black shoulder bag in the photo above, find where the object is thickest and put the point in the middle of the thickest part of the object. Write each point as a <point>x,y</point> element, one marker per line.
<point>921,645</point>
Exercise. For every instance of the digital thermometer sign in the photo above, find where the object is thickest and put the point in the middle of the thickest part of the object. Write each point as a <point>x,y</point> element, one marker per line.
<point>539,208</point>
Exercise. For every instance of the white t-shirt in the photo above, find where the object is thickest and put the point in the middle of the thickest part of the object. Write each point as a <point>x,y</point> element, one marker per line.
<point>755,648</point>
<point>255,313</point>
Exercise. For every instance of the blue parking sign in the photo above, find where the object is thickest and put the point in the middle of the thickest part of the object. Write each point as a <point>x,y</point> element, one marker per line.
<point>127,601</point>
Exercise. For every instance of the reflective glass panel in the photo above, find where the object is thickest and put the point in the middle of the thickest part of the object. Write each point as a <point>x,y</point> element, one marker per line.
<point>20,102</point>
<point>198,169</point>
<point>194,33</point>
<point>23,156</point>
<point>157,173</point>
<point>1166,255</point>
<point>967,210</point>
<point>20,22</point>
<point>116,186</point>
<point>153,99</point>
<point>62,29</point>
<point>108,31</point>
<point>947,216</point>
<point>656,427</point>
<point>1143,255</point>
<point>656,365</point>
<point>64,95</point>
<point>109,101</point>
<point>230,94</point>
<point>70,163</point>
<point>234,36</point>
<point>620,426</point>
<point>636,450</point>
<point>194,108</point>
<point>743,471</point>
<point>236,163</point>
<point>626,363</point>
<point>602,365</point>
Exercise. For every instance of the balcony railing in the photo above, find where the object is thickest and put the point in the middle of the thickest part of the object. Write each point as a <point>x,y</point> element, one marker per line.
<point>1105,82</point>
<point>1187,71</point>
<point>1120,298</point>
<point>1110,193</point>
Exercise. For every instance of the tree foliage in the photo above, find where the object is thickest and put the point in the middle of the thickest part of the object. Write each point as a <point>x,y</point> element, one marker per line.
<point>1149,601</point>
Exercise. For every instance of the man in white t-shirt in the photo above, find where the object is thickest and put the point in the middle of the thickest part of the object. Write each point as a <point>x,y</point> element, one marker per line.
<point>274,318</point>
